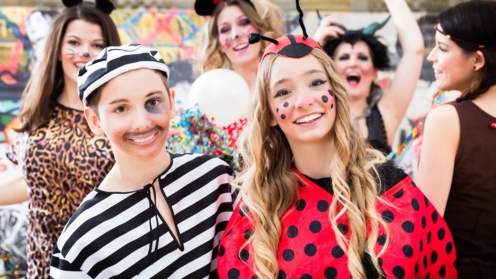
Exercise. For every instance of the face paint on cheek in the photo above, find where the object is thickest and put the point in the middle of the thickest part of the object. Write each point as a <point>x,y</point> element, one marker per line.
<point>330,92</point>
<point>286,104</point>
<point>332,106</point>
<point>283,116</point>
<point>277,110</point>
<point>325,99</point>
<point>155,110</point>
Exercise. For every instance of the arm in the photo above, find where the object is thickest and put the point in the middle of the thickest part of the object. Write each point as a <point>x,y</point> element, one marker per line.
<point>61,268</point>
<point>13,190</point>
<point>397,98</point>
<point>327,30</point>
<point>437,160</point>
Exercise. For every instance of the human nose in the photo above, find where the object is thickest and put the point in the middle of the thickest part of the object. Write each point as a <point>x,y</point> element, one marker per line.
<point>141,120</point>
<point>234,32</point>
<point>303,99</point>
<point>432,56</point>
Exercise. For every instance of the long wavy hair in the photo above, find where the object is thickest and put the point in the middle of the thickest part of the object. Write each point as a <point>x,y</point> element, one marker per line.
<point>267,18</point>
<point>269,186</point>
<point>43,88</point>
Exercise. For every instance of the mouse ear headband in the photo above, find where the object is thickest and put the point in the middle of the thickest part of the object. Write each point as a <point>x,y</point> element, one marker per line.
<point>103,5</point>
<point>207,7</point>
<point>294,46</point>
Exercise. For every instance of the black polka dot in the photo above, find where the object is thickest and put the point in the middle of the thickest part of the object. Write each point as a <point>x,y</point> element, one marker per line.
<point>222,251</point>
<point>398,194</point>
<point>233,273</point>
<point>408,250</point>
<point>306,276</point>
<point>310,249</point>
<point>315,226</point>
<point>416,268</point>
<point>343,228</point>
<point>277,110</point>
<point>300,204</point>
<point>292,232</point>
<point>286,104</point>
<point>322,205</point>
<point>429,235</point>
<point>415,204</point>
<point>387,216</point>
<point>325,99</point>
<point>228,232</point>
<point>424,222</point>
<point>301,184</point>
<point>332,106</point>
<point>449,247</point>
<point>413,184</point>
<point>407,226</point>
<point>425,261</point>
<point>244,255</point>
<point>281,275</point>
<point>337,252</point>
<point>421,245</point>
<point>441,234</point>
<point>330,92</point>
<point>288,255</point>
<point>442,271</point>
<point>427,276</point>
<point>426,201</point>
<point>283,116</point>
<point>248,233</point>
<point>399,272</point>
<point>254,277</point>
<point>382,239</point>
<point>380,261</point>
<point>434,216</point>
<point>242,211</point>
<point>433,257</point>
<point>330,273</point>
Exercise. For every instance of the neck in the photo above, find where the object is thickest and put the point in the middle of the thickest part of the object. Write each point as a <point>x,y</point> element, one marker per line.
<point>133,174</point>
<point>487,101</point>
<point>69,96</point>
<point>248,72</point>
<point>314,160</point>
<point>357,107</point>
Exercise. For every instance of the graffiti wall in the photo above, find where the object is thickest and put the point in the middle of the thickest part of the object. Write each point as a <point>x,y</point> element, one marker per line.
<point>175,34</point>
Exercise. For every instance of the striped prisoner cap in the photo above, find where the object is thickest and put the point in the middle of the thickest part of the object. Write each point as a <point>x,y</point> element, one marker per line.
<point>116,60</point>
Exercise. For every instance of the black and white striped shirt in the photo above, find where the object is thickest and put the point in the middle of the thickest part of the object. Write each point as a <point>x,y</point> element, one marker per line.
<point>114,235</point>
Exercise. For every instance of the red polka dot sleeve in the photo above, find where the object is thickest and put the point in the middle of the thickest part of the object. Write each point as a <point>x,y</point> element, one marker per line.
<point>420,244</point>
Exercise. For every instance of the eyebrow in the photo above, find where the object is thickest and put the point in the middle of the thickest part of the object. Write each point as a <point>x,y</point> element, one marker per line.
<point>155,92</point>
<point>76,37</point>
<point>309,72</point>
<point>238,18</point>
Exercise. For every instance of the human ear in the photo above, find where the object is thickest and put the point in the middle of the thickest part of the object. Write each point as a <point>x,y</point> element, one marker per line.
<point>172,96</point>
<point>479,60</point>
<point>93,121</point>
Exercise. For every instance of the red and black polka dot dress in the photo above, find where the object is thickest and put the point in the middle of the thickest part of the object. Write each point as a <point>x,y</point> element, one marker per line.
<point>421,246</point>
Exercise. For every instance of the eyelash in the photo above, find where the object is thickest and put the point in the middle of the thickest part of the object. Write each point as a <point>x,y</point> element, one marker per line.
<point>280,93</point>
<point>76,43</point>
<point>314,83</point>
<point>153,100</point>
<point>319,81</point>
<point>242,22</point>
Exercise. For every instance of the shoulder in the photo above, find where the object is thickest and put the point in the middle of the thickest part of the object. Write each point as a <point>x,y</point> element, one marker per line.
<point>443,114</point>
<point>185,164</point>
<point>389,175</point>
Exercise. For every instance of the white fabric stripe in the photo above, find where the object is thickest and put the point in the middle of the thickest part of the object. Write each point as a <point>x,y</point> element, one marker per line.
<point>104,227</point>
<point>179,161</point>
<point>202,192</point>
<point>192,266</point>
<point>62,274</point>
<point>191,176</point>
<point>90,213</point>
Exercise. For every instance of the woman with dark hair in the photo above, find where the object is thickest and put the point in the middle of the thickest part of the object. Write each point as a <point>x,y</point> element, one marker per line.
<point>60,158</point>
<point>457,169</point>
<point>359,55</point>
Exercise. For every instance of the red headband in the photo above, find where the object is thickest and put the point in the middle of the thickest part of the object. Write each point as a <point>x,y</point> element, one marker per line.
<point>457,39</point>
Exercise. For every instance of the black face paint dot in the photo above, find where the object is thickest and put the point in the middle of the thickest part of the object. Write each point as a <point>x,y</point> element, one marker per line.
<point>330,92</point>
<point>416,268</point>
<point>429,235</point>
<point>281,275</point>
<point>288,255</point>
<point>292,232</point>
<point>442,271</point>
<point>441,234</point>
<point>433,257</point>
<point>434,217</point>
<point>421,245</point>
<point>233,273</point>
<point>315,226</point>
<point>408,250</point>
<point>337,252</point>
<point>407,226</point>
<point>425,261</point>
<point>306,276</point>
<point>424,222</point>
<point>449,247</point>
<point>382,239</point>
<point>399,272</point>
<point>248,233</point>
<point>343,228</point>
<point>310,249</point>
<point>398,194</point>
<point>332,106</point>
<point>330,273</point>
<point>283,116</point>
<point>277,110</point>
<point>322,205</point>
<point>387,216</point>
<point>325,99</point>
<point>300,204</point>
<point>244,255</point>
<point>222,251</point>
<point>415,204</point>
<point>286,104</point>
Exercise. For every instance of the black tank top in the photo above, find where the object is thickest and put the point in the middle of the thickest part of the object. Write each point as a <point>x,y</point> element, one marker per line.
<point>377,137</point>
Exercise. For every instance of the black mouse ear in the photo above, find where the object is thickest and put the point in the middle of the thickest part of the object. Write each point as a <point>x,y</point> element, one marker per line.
<point>205,7</point>
<point>71,3</point>
<point>105,6</point>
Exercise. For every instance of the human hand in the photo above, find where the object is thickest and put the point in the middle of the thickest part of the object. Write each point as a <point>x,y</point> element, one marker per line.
<point>328,29</point>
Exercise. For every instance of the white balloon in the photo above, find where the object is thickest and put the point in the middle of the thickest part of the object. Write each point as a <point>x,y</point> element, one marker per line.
<point>222,94</point>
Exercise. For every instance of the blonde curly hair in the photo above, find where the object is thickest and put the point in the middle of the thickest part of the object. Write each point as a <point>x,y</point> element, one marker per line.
<point>269,184</point>
<point>267,18</point>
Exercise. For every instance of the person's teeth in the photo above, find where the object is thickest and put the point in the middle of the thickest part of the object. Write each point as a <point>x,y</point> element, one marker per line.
<point>308,118</point>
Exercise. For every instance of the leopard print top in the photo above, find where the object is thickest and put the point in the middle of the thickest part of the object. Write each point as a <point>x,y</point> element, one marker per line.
<point>61,163</point>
